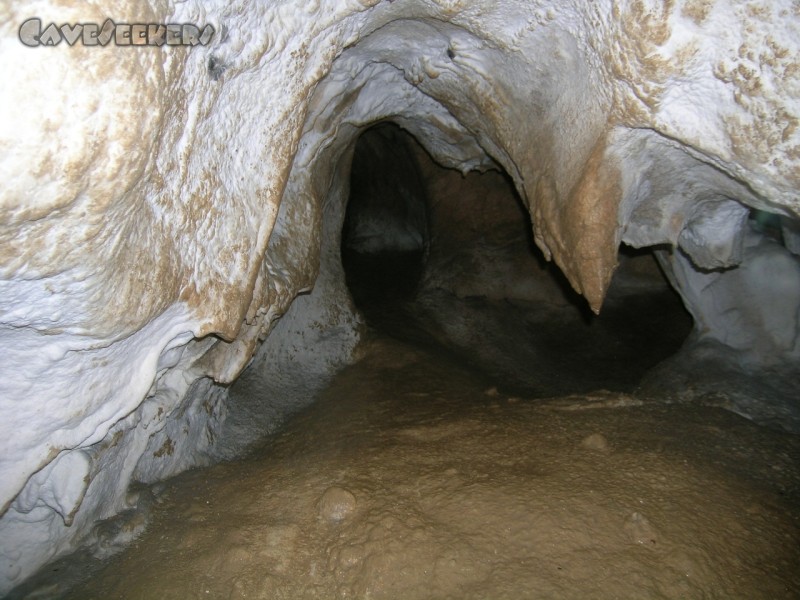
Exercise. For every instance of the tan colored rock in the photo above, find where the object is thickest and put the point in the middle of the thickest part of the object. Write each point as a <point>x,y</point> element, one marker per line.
<point>161,208</point>
<point>336,504</point>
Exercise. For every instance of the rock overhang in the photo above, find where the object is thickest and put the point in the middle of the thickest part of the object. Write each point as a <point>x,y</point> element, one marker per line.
<point>142,195</point>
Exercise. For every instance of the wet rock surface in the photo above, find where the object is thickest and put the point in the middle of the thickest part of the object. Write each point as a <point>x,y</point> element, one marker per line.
<point>464,494</point>
<point>164,213</point>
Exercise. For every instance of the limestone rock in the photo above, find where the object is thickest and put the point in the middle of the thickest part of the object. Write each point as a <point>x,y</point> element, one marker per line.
<point>162,208</point>
<point>336,504</point>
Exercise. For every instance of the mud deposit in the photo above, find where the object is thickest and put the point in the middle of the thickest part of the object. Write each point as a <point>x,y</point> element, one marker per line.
<point>410,478</point>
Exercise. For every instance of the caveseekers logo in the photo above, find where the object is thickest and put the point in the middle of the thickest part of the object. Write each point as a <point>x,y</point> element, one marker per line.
<point>122,34</point>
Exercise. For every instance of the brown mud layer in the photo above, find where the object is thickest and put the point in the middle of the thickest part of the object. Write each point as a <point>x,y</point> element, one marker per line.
<point>411,478</point>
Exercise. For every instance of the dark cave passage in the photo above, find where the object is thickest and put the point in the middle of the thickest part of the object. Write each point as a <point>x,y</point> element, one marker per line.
<point>385,234</point>
<point>448,261</point>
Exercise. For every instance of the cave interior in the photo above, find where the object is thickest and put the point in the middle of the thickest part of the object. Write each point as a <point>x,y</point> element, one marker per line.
<point>405,300</point>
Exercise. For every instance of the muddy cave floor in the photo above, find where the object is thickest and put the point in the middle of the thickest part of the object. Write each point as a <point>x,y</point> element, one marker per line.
<point>417,474</point>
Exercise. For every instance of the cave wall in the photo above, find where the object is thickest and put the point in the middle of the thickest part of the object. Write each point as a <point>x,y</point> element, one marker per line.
<point>481,239</point>
<point>163,207</point>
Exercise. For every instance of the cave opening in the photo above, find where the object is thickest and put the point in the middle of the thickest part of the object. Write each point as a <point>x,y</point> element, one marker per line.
<point>435,257</point>
<point>385,236</point>
<point>183,287</point>
<point>488,418</point>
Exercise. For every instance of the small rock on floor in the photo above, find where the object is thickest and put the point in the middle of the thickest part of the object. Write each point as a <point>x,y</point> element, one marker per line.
<point>336,504</point>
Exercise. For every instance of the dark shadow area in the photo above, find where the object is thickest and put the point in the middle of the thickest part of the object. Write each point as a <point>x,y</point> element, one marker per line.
<point>448,263</point>
<point>385,233</point>
<point>381,278</point>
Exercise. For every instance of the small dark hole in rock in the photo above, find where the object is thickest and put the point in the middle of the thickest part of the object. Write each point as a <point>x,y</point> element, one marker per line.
<point>215,68</point>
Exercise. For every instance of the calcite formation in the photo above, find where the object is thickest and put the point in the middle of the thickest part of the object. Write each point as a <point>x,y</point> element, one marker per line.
<point>163,206</point>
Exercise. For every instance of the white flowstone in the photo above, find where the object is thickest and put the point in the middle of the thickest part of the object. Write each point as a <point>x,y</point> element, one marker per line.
<point>162,207</point>
<point>754,309</point>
